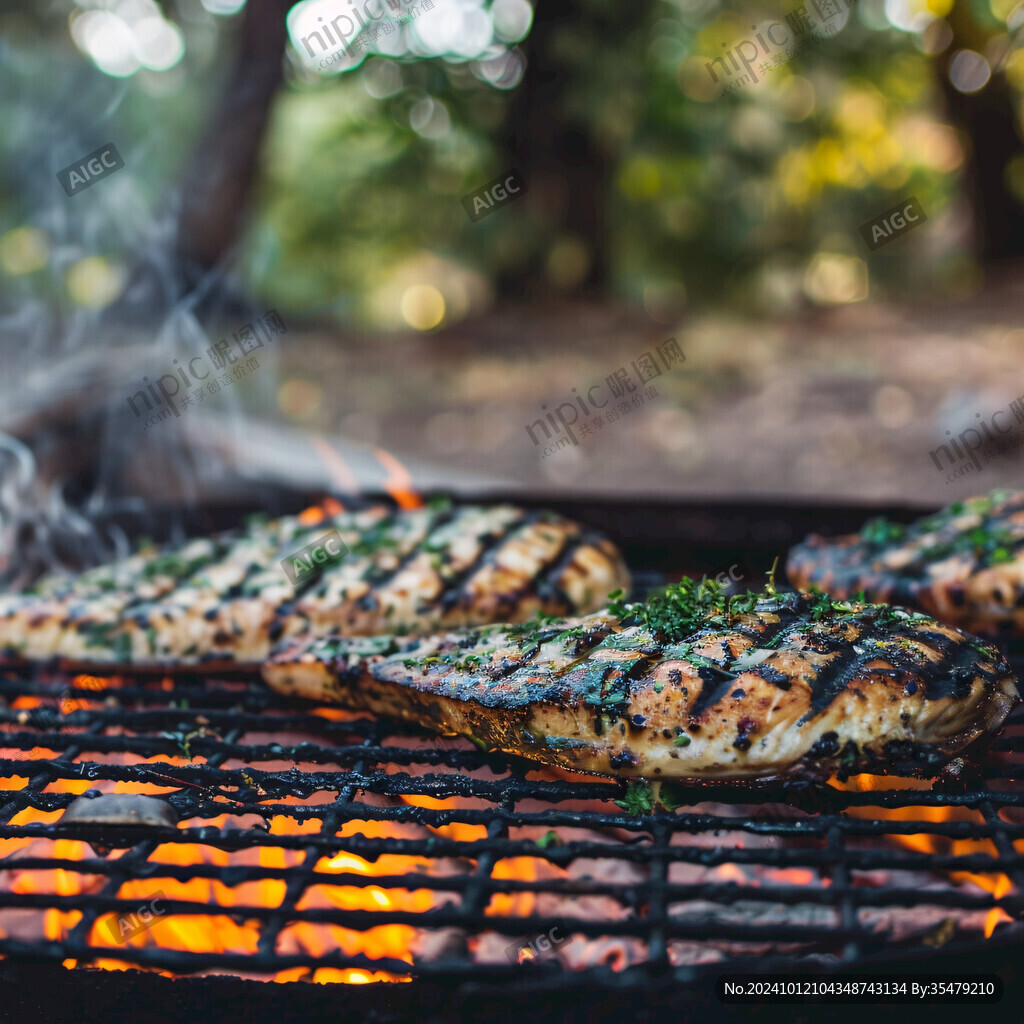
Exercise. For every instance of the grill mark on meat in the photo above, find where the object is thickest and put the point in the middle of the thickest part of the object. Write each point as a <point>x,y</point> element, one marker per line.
<point>715,684</point>
<point>491,545</point>
<point>171,608</point>
<point>547,583</point>
<point>960,669</point>
<point>379,578</point>
<point>615,703</point>
<point>712,688</point>
<point>964,564</point>
<point>831,679</point>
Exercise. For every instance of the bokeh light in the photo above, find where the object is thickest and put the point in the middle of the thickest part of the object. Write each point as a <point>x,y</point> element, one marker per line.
<point>969,71</point>
<point>834,278</point>
<point>94,282</point>
<point>423,307</point>
<point>123,36</point>
<point>23,251</point>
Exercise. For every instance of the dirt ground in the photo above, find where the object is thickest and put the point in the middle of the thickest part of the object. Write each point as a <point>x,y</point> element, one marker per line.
<point>844,404</point>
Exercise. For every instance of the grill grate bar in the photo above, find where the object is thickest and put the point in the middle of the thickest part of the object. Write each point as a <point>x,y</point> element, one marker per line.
<point>658,909</point>
<point>674,892</point>
<point>863,859</point>
<point>691,926</point>
<point>184,962</point>
<point>442,786</point>
<point>377,772</point>
<point>840,876</point>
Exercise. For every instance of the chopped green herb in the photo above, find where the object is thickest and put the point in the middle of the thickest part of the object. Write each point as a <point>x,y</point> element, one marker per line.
<point>879,531</point>
<point>165,565</point>
<point>980,506</point>
<point>638,799</point>
<point>549,839</point>
<point>123,647</point>
<point>570,634</point>
<point>616,606</point>
<point>820,604</point>
<point>533,630</point>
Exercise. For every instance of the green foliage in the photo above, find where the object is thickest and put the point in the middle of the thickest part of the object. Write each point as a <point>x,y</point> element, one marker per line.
<point>751,198</point>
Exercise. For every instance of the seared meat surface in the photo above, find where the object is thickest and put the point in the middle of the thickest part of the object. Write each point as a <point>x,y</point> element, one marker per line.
<point>964,565</point>
<point>225,600</point>
<point>789,683</point>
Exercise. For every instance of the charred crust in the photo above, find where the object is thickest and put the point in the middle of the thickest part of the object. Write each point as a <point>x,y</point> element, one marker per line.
<point>624,758</point>
<point>826,746</point>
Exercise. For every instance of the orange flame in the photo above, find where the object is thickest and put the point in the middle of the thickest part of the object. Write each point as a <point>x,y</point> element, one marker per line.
<point>336,465</point>
<point>995,883</point>
<point>398,482</point>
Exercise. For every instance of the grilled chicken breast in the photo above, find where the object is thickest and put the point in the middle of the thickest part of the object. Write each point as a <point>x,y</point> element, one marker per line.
<point>964,565</point>
<point>225,600</point>
<point>792,683</point>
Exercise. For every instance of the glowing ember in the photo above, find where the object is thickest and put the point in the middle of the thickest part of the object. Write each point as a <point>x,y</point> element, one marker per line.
<point>995,883</point>
<point>397,872</point>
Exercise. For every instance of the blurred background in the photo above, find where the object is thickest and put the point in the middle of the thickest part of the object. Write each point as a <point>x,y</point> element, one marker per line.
<point>268,168</point>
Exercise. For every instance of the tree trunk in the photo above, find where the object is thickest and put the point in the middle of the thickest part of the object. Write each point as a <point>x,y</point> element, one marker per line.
<point>988,120</point>
<point>217,183</point>
<point>568,174</point>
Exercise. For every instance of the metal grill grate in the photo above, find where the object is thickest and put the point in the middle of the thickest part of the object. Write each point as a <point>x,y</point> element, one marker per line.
<point>804,876</point>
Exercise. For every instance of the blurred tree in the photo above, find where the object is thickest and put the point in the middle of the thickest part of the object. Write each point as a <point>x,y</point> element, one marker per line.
<point>218,180</point>
<point>645,179</point>
<point>990,119</point>
<point>575,47</point>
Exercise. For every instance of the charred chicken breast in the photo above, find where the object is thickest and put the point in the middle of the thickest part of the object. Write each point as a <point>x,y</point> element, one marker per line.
<point>682,687</point>
<point>225,600</point>
<point>964,565</point>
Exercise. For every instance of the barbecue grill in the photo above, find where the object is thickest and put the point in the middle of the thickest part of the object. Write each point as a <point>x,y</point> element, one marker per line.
<point>311,829</point>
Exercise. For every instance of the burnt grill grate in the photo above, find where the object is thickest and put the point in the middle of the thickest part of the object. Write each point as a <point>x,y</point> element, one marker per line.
<point>654,884</point>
